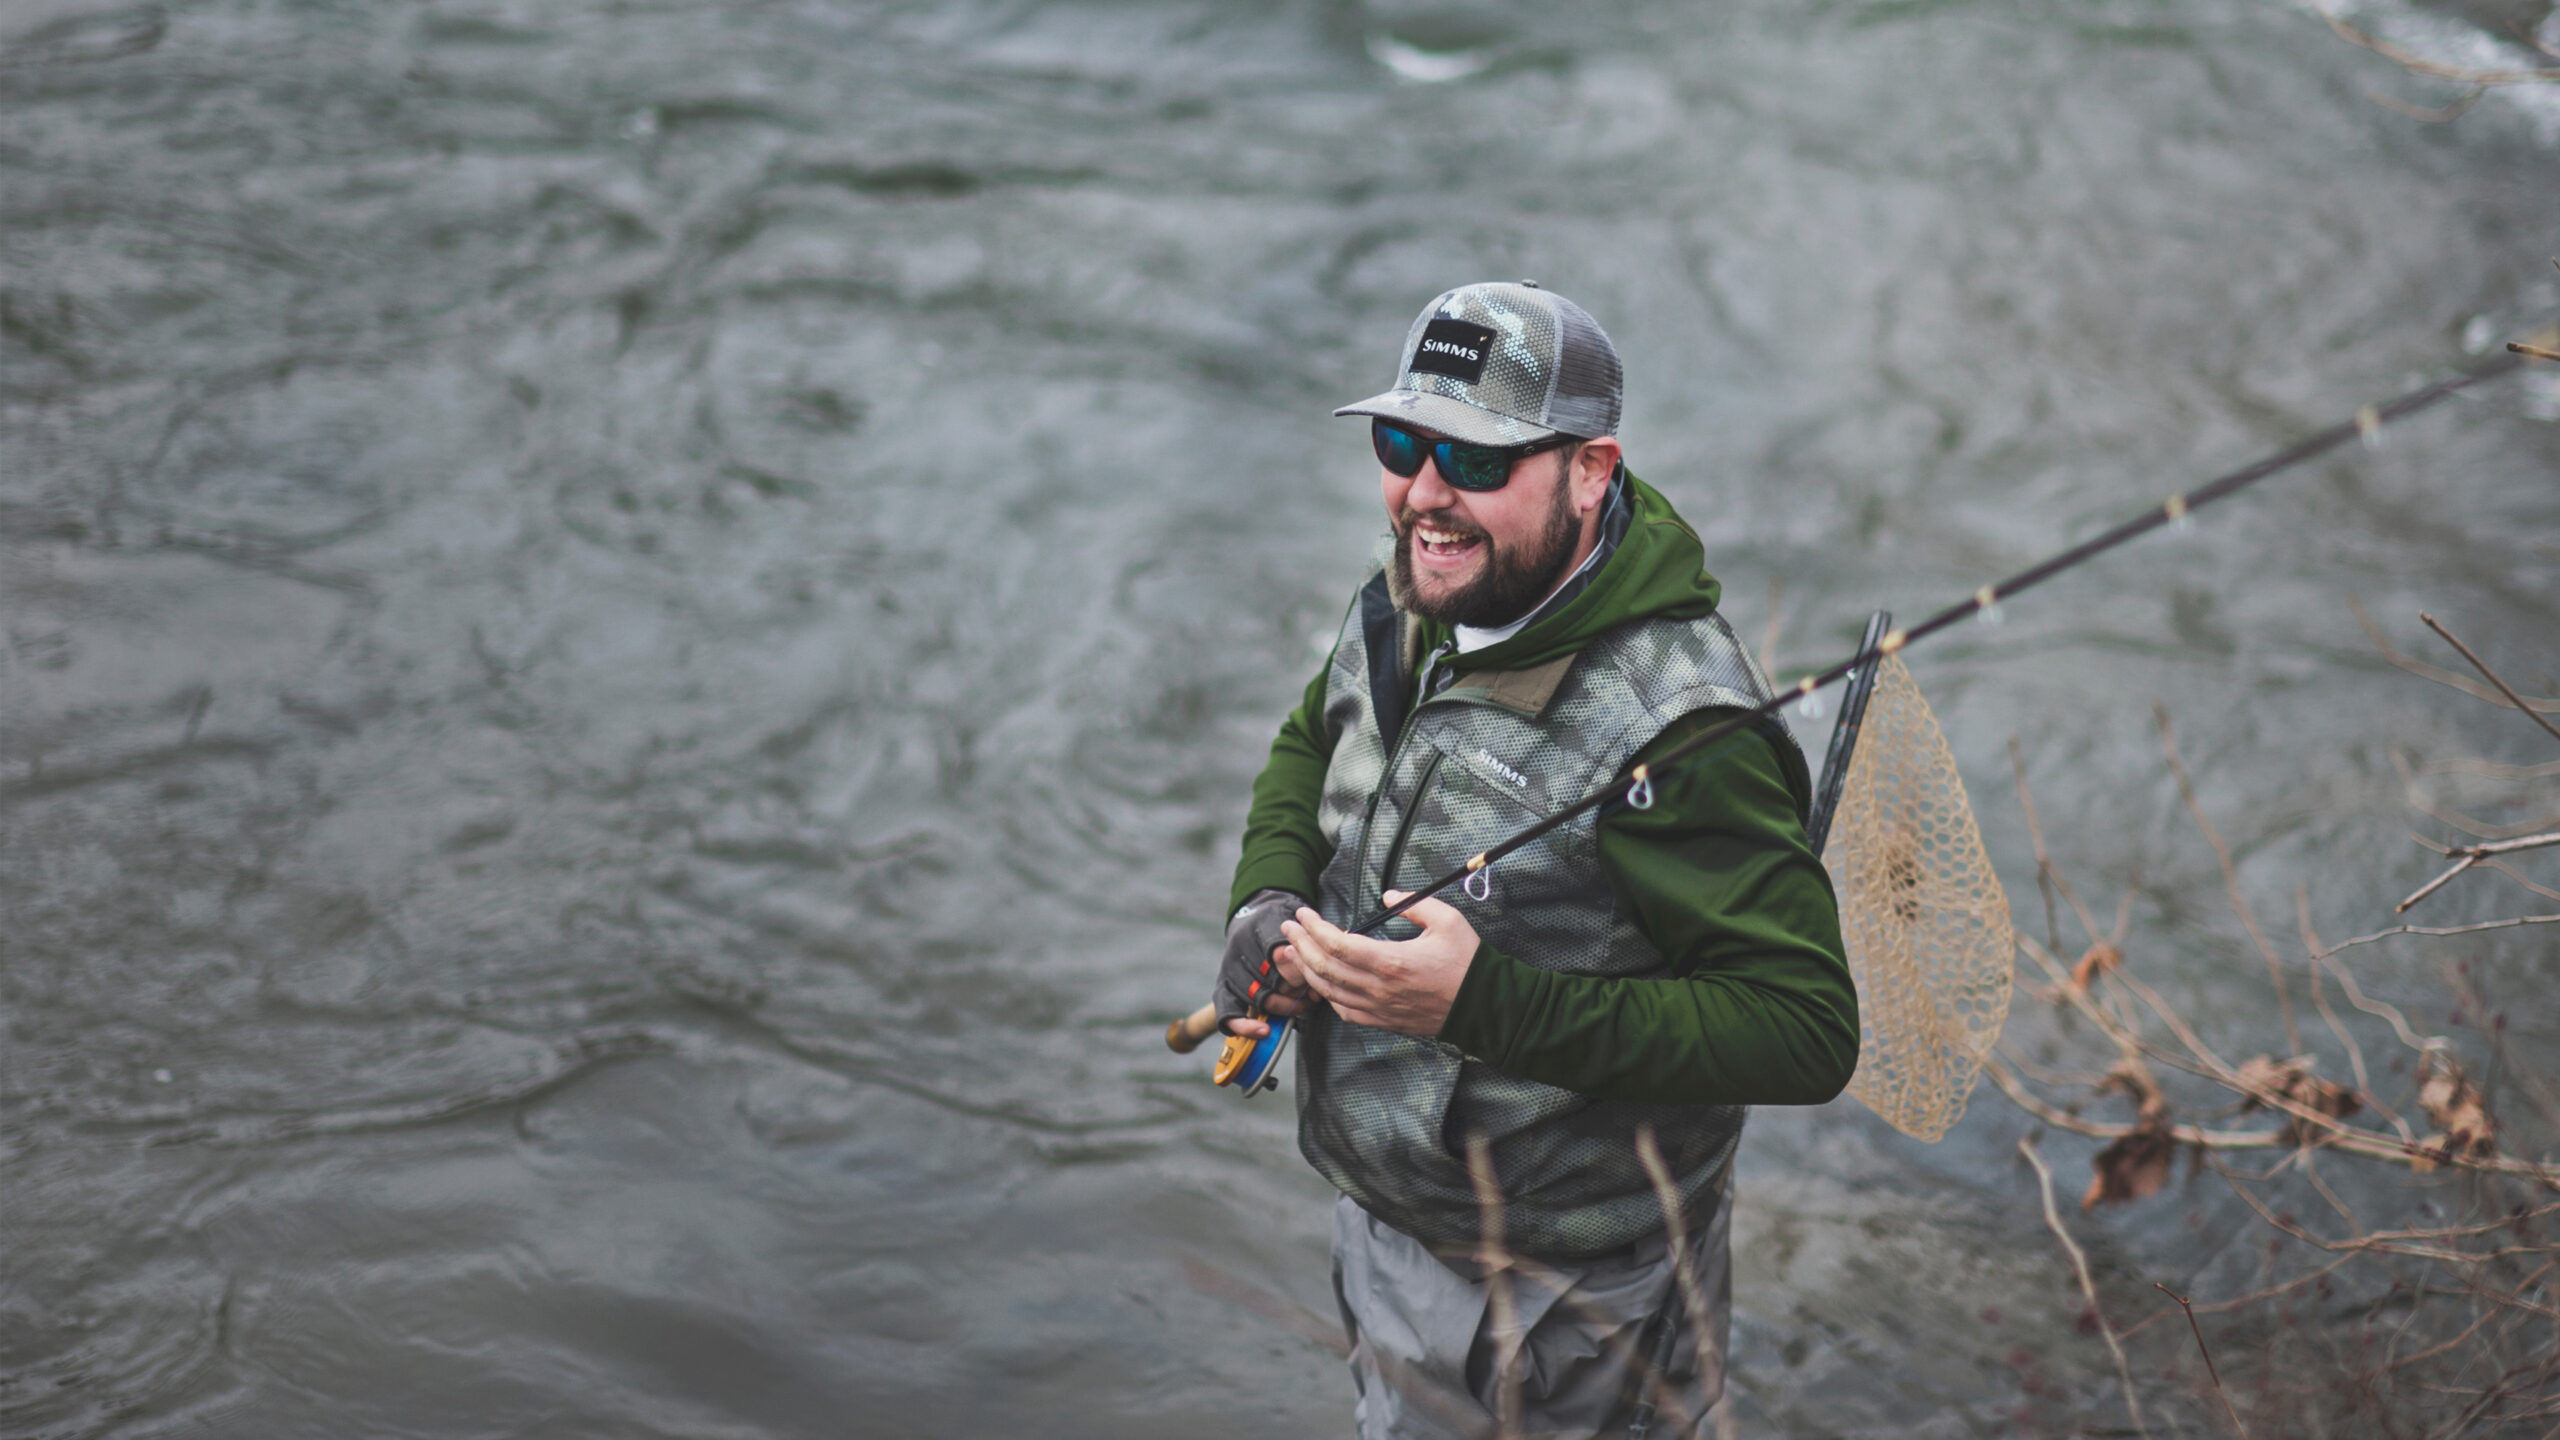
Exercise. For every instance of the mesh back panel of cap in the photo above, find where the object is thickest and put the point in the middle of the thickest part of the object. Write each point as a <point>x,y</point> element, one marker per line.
<point>1924,918</point>
<point>1588,382</point>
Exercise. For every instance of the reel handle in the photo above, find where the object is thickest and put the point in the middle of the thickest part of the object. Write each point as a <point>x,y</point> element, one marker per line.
<point>1184,1035</point>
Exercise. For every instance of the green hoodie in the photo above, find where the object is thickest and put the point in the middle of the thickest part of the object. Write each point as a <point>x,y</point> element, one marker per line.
<point>1759,1009</point>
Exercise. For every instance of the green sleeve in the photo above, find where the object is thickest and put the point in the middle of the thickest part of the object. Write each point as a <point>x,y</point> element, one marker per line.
<point>1759,1009</point>
<point>1284,849</point>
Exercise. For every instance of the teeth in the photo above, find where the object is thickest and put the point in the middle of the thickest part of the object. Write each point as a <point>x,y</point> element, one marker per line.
<point>1435,537</point>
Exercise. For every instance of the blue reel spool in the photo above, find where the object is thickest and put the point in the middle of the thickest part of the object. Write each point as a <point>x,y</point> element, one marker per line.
<point>1254,1070</point>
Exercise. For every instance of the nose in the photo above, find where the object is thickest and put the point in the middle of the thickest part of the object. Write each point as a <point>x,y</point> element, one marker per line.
<point>1429,491</point>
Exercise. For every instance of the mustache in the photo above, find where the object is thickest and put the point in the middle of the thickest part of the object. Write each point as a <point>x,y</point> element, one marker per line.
<point>1446,523</point>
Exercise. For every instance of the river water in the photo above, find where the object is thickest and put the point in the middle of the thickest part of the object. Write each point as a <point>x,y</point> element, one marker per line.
<point>635,634</point>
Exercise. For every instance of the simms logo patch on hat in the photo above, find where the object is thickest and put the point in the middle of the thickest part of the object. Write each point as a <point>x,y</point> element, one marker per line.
<point>1455,348</point>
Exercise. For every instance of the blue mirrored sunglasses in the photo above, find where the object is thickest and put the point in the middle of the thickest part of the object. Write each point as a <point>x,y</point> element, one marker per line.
<point>1462,466</point>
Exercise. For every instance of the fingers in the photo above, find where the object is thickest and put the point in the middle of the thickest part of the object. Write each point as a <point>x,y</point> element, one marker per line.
<point>1247,1025</point>
<point>1285,960</point>
<point>1314,958</point>
<point>1349,971</point>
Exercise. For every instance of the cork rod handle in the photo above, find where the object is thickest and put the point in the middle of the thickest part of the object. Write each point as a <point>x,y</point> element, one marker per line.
<point>1184,1035</point>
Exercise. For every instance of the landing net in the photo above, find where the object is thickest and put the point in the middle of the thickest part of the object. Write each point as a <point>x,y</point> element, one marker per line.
<point>1925,920</point>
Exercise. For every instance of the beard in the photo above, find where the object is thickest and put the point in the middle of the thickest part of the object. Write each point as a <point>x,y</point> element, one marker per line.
<point>1512,579</point>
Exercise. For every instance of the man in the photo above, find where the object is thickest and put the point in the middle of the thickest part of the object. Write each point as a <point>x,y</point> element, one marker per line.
<point>1539,622</point>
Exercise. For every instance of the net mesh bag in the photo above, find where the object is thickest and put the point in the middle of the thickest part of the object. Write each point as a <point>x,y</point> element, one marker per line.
<point>1925,920</point>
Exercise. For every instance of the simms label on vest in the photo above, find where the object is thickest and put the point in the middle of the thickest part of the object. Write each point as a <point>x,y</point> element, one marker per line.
<point>1505,771</point>
<point>1455,348</point>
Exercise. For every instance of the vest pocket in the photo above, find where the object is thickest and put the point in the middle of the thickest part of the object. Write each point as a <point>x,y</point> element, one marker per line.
<point>1488,781</point>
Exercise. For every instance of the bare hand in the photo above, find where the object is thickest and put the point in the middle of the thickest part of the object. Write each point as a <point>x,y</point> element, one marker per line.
<point>1402,985</point>
<point>1275,1000</point>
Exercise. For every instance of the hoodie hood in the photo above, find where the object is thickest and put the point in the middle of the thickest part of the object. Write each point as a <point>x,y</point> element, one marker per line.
<point>1657,571</point>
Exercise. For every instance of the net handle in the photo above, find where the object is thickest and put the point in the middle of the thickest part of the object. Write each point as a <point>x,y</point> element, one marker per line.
<point>1844,734</point>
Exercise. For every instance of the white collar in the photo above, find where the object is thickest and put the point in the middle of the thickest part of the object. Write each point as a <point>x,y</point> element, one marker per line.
<point>1471,638</point>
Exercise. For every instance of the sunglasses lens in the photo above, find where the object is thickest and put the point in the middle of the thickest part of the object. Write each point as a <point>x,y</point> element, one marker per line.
<point>1474,467</point>
<point>1400,451</point>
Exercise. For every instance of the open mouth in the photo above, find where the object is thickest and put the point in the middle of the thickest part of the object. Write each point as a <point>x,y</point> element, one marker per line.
<point>1441,547</point>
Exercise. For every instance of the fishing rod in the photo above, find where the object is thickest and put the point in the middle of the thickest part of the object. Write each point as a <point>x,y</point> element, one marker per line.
<point>1635,787</point>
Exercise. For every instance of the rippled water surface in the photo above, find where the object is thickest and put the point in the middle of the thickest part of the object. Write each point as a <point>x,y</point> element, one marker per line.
<point>635,635</point>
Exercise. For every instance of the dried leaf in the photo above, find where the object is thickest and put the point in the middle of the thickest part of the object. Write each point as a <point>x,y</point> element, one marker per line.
<point>2460,1111</point>
<point>2100,958</point>
<point>2132,1167</point>
<point>2133,1079</point>
<point>2265,1072</point>
<point>2292,1080</point>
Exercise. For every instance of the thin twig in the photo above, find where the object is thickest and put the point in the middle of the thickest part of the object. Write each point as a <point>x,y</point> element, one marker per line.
<point>1676,1230</point>
<point>2035,836</point>
<point>2494,847</point>
<point>1495,1256</point>
<point>2238,1302</point>
<point>2230,877</point>
<point>2400,1026</point>
<point>2417,64</point>
<point>2432,886</point>
<point>2310,1167</point>
<point>2503,868</point>
<point>2452,678</point>
<point>2507,924</point>
<point>2088,1288</point>
<point>2431,114</point>
<point>2535,351</point>
<point>2419,802</point>
<point>2207,1352</point>
<point>2320,996</point>
<point>2490,675</point>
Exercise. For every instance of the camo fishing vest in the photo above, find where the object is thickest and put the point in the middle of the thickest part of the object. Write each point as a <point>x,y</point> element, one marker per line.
<point>1385,1117</point>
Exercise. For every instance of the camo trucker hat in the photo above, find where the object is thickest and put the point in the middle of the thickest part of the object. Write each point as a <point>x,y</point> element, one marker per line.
<point>1503,364</point>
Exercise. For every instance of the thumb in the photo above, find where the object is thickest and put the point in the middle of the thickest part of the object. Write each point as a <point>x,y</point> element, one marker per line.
<point>1429,914</point>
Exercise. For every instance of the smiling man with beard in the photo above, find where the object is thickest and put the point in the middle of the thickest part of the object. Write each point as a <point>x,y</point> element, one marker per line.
<point>1539,621</point>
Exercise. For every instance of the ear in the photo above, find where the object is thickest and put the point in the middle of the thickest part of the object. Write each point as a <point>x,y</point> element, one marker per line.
<point>1593,469</point>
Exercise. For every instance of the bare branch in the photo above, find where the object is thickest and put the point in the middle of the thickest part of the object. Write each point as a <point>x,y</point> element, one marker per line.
<point>1676,1230</point>
<point>2495,847</point>
<point>2088,1288</point>
<point>2320,997</point>
<point>2503,868</point>
<point>2207,1352</point>
<point>2490,675</point>
<point>1494,1254</point>
<point>2035,837</point>
<point>2420,668</point>
<point>2435,885</point>
<point>2467,1322</point>
<point>2417,64</point>
<point>2507,924</point>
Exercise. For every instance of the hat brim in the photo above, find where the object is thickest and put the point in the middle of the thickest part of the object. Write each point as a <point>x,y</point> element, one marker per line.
<point>1456,419</point>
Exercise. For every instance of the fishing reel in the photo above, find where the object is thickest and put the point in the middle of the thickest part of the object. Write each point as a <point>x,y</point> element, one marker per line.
<point>1250,1063</point>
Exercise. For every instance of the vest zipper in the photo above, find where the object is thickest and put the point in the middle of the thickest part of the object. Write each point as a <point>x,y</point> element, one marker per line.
<point>1404,829</point>
<point>1421,697</point>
